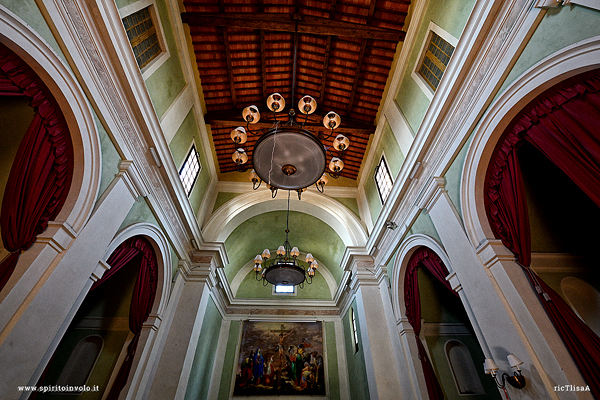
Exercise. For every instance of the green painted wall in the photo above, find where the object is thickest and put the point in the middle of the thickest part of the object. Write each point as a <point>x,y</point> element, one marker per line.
<point>110,157</point>
<point>251,289</point>
<point>222,198</point>
<point>206,352</point>
<point>559,28</point>
<point>394,157</point>
<point>15,117</point>
<point>229,365</point>
<point>30,13</point>
<point>454,175</point>
<point>267,231</point>
<point>450,15</point>
<point>332,361</point>
<point>351,203</point>
<point>423,224</point>
<point>180,146</point>
<point>357,370</point>
<point>168,80</point>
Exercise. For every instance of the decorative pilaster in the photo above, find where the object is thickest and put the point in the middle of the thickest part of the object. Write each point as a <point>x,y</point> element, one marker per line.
<point>189,299</point>
<point>380,344</point>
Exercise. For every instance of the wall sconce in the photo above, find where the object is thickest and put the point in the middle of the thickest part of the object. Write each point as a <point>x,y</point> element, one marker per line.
<point>516,381</point>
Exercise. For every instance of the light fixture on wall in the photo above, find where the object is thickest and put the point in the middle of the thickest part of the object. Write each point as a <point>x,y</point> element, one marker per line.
<point>285,268</point>
<point>287,156</point>
<point>516,381</point>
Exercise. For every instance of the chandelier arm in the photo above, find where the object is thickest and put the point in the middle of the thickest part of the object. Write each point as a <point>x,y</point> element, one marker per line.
<point>319,188</point>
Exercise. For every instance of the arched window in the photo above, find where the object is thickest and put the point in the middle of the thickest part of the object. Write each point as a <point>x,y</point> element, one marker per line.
<point>463,369</point>
<point>81,362</point>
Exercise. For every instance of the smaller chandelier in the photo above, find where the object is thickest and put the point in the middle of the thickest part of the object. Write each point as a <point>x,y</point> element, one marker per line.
<point>287,156</point>
<point>285,268</point>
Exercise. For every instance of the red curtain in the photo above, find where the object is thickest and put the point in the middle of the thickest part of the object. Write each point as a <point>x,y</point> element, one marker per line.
<point>142,299</point>
<point>563,124</point>
<point>41,173</point>
<point>427,258</point>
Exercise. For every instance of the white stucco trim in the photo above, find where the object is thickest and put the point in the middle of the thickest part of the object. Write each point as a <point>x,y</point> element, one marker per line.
<point>237,210</point>
<point>49,66</point>
<point>405,251</point>
<point>567,62</point>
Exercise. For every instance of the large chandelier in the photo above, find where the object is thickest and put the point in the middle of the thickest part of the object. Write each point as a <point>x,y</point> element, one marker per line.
<point>287,156</point>
<point>285,268</point>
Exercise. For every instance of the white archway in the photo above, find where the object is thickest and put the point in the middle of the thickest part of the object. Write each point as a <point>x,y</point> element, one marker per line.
<point>570,61</point>
<point>406,250</point>
<point>149,345</point>
<point>237,210</point>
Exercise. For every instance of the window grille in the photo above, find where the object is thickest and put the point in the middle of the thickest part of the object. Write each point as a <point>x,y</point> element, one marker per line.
<point>141,33</point>
<point>383,180</point>
<point>190,170</point>
<point>436,60</point>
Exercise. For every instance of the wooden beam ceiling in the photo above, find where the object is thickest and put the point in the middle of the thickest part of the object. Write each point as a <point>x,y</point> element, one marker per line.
<point>292,23</point>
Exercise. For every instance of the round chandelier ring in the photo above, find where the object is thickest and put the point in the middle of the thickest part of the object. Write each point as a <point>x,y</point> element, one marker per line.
<point>285,273</point>
<point>285,149</point>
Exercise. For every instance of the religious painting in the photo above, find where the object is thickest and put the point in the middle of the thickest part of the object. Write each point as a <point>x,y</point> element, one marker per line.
<point>280,359</point>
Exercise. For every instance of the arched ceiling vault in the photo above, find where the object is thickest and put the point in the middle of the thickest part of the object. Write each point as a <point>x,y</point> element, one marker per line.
<point>248,205</point>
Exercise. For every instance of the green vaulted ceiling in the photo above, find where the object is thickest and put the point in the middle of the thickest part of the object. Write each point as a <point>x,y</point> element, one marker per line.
<point>267,230</point>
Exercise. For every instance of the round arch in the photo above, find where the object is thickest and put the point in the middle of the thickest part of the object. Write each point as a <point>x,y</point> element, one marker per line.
<point>570,61</point>
<point>237,210</point>
<point>406,250</point>
<point>163,259</point>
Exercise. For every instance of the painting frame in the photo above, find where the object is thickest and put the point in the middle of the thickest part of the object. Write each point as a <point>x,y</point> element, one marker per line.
<point>281,358</point>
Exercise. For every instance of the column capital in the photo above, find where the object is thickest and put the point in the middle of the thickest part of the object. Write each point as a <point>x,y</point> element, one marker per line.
<point>491,251</point>
<point>132,178</point>
<point>365,272</point>
<point>202,267</point>
<point>454,282</point>
<point>431,193</point>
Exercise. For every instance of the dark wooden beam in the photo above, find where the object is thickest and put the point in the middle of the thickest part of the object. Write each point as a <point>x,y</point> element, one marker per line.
<point>361,56</point>
<point>263,64</point>
<point>289,23</point>
<point>229,67</point>
<point>325,67</point>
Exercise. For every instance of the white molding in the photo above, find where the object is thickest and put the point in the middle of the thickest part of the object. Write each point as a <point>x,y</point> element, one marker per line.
<point>163,258</point>
<point>247,205</point>
<point>572,60</point>
<point>176,113</point>
<point>59,79</point>
<point>406,250</point>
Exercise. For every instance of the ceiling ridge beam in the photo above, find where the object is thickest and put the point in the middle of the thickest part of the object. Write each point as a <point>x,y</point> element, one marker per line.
<point>229,67</point>
<point>291,23</point>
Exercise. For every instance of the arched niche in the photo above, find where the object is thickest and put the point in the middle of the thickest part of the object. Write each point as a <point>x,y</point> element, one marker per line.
<point>584,299</point>
<point>81,361</point>
<point>463,369</point>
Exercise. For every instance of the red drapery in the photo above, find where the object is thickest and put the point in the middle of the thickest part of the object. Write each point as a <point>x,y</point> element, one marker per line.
<point>41,173</point>
<point>142,299</point>
<point>423,257</point>
<point>563,123</point>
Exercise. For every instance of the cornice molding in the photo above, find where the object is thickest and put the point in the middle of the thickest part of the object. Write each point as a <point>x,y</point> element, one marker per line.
<point>98,50</point>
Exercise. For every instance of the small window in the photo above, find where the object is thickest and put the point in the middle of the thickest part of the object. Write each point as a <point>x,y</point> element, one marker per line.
<point>383,179</point>
<point>142,35</point>
<point>285,289</point>
<point>190,170</point>
<point>436,60</point>
<point>354,330</point>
